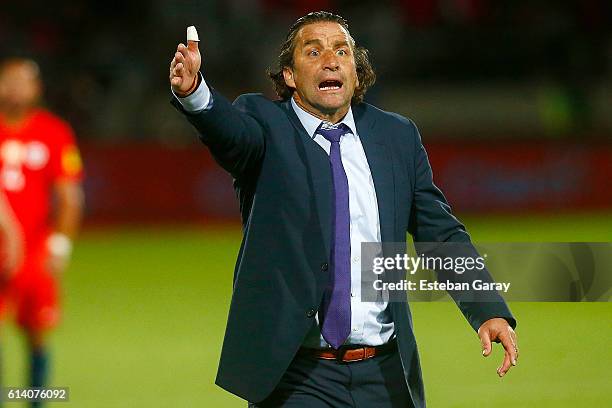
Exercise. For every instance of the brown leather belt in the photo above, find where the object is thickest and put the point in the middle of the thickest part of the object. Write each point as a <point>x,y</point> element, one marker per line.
<point>350,353</point>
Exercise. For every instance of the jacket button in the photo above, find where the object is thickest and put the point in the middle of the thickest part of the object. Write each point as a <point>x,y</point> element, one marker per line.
<point>311,312</point>
<point>324,266</point>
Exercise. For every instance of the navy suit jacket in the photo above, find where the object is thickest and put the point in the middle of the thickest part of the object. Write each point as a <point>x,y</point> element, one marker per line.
<point>283,181</point>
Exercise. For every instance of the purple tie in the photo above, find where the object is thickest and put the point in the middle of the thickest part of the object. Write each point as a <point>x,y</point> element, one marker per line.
<point>335,318</point>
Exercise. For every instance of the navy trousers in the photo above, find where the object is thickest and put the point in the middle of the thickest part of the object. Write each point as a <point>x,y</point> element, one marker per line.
<point>315,383</point>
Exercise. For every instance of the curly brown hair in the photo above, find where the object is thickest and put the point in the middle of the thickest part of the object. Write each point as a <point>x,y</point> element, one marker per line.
<point>365,72</point>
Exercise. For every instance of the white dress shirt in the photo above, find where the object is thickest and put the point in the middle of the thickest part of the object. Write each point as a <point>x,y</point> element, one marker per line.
<point>371,322</point>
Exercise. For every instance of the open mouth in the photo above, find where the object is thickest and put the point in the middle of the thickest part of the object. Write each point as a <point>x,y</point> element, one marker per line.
<point>330,85</point>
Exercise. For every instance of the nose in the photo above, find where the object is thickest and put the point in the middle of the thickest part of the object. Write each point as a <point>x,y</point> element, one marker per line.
<point>330,61</point>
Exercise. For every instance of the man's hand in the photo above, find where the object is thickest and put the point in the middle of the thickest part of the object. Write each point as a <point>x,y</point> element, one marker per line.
<point>499,331</point>
<point>59,250</point>
<point>184,68</point>
<point>57,264</point>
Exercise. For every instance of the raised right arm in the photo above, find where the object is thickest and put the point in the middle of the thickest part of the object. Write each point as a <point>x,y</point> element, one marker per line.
<point>233,135</point>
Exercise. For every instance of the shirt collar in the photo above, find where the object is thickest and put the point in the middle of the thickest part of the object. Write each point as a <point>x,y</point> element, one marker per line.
<point>311,123</point>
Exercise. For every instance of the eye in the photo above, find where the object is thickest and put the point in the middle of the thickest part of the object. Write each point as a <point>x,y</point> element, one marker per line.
<point>313,53</point>
<point>341,52</point>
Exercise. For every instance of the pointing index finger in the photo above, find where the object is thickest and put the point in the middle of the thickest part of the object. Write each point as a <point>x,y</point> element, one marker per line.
<point>192,38</point>
<point>192,34</point>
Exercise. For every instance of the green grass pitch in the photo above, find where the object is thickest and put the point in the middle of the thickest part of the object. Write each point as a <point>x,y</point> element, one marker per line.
<point>145,310</point>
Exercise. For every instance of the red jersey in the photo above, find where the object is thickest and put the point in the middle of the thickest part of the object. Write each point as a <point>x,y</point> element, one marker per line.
<point>33,156</point>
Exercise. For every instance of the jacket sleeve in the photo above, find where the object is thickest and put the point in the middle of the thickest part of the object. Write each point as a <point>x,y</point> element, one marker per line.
<point>232,132</point>
<point>431,221</point>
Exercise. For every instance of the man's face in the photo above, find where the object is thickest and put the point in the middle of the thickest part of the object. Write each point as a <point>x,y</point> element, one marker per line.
<point>19,86</point>
<point>323,75</point>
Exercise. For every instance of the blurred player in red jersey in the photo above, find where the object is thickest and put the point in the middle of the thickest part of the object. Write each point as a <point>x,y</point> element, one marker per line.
<point>40,175</point>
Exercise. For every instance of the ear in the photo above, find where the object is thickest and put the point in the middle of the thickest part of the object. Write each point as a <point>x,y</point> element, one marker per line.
<point>288,75</point>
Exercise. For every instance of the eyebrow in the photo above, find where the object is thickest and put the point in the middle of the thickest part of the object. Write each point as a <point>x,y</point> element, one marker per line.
<point>312,42</point>
<point>318,42</point>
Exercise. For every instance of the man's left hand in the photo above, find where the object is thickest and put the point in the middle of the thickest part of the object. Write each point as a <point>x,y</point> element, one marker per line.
<point>59,247</point>
<point>499,331</point>
<point>57,264</point>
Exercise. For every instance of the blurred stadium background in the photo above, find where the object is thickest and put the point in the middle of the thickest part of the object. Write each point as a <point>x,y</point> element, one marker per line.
<point>513,100</point>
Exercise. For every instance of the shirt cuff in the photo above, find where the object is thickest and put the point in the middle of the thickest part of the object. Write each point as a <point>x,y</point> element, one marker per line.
<point>200,100</point>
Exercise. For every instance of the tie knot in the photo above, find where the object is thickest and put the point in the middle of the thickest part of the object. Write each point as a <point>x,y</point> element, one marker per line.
<point>333,132</point>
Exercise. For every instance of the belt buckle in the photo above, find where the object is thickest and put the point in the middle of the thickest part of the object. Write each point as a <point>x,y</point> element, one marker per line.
<point>342,352</point>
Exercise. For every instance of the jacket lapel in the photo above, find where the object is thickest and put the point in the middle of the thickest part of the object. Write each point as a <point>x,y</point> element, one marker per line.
<point>381,166</point>
<point>320,175</point>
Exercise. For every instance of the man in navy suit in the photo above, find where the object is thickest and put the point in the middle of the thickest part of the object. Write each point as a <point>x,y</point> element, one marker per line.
<point>317,173</point>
